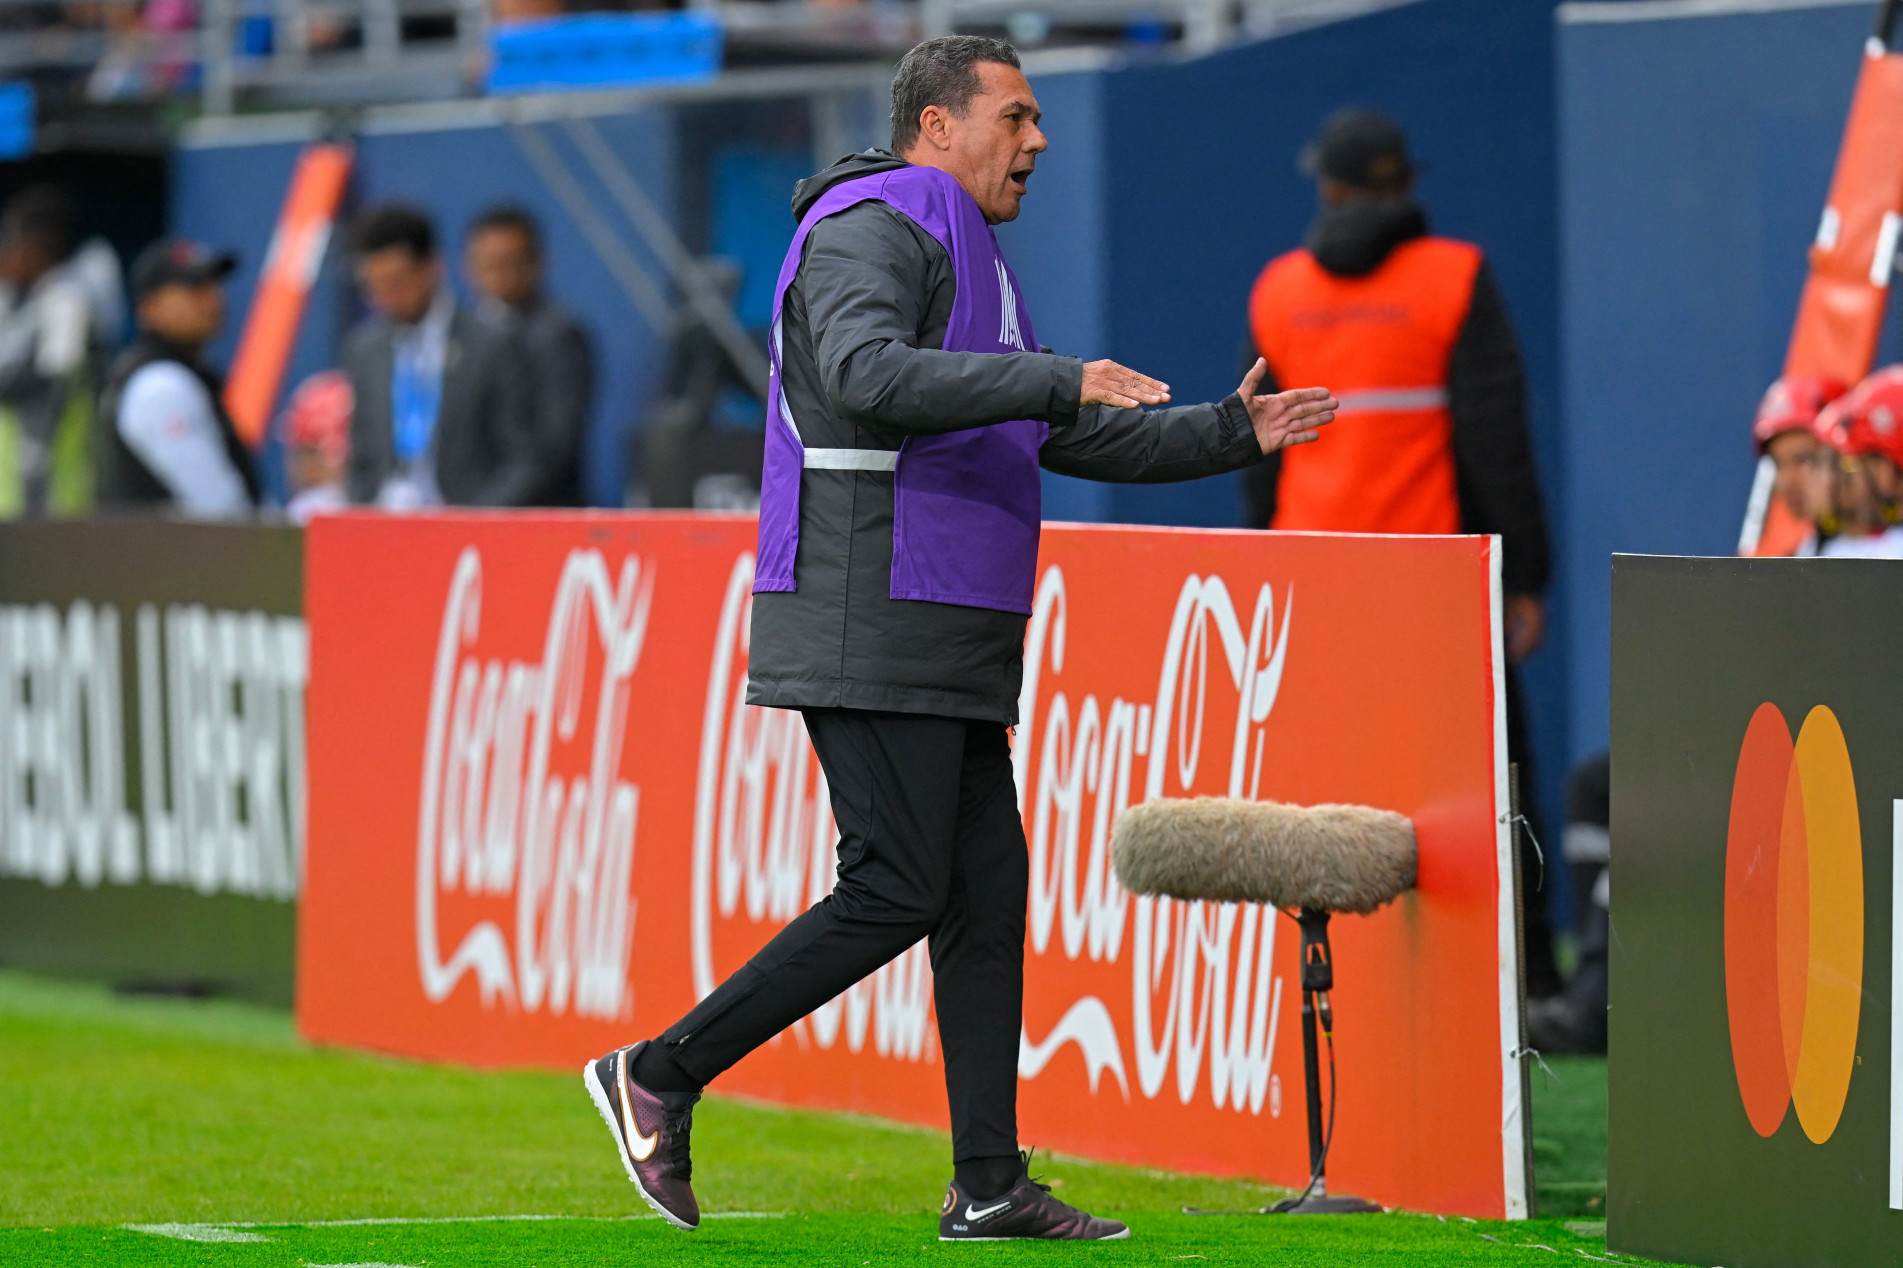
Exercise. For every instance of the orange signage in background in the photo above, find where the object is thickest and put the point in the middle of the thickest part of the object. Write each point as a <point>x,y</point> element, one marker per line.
<point>284,286</point>
<point>543,822</point>
<point>1840,313</point>
<point>1851,262</point>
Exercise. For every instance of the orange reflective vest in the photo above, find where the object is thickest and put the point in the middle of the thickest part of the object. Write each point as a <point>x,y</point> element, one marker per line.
<point>1381,342</point>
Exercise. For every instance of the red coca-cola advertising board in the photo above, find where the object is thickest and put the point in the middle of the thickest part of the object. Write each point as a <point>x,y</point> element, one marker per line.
<point>544,822</point>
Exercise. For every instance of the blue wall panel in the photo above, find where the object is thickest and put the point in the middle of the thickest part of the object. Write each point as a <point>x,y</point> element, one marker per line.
<point>1696,156</point>
<point>1060,253</point>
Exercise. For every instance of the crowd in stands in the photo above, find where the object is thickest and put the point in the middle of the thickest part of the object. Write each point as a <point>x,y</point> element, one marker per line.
<point>436,400</point>
<point>148,50</point>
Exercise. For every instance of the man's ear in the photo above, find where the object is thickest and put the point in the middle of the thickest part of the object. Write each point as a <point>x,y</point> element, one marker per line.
<point>934,128</point>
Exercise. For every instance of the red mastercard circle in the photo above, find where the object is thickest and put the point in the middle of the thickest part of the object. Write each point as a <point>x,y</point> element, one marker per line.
<point>1793,922</point>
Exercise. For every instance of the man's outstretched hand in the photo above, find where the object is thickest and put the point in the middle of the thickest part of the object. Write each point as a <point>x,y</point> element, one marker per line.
<point>1287,418</point>
<point>1107,383</point>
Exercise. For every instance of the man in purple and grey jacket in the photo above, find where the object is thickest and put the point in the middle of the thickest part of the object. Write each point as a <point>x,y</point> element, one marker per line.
<point>909,411</point>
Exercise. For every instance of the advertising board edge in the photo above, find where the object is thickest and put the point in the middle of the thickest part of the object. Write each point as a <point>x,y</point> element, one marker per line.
<point>1514,1178</point>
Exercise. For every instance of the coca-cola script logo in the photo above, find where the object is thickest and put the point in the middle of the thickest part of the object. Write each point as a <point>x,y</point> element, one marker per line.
<point>524,800</point>
<point>1202,976</point>
<point>765,849</point>
<point>1210,966</point>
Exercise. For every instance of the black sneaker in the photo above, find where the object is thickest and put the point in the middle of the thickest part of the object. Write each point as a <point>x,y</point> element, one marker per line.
<point>1565,1024</point>
<point>650,1135</point>
<point>1028,1210</point>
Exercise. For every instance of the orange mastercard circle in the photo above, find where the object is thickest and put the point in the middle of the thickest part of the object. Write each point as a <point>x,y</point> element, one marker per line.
<point>1793,922</point>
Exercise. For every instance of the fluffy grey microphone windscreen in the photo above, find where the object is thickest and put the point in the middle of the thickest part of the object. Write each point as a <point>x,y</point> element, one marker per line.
<point>1348,859</point>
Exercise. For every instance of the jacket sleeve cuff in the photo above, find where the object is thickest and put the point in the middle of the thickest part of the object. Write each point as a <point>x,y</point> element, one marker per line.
<point>1067,389</point>
<point>1239,431</point>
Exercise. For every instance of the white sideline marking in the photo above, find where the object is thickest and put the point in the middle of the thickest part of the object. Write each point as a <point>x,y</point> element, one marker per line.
<point>196,1232</point>
<point>234,1230</point>
<point>497,1219</point>
<point>376,1265</point>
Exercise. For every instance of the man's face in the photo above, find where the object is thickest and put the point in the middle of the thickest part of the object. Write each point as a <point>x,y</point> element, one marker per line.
<point>398,284</point>
<point>502,265</point>
<point>1885,478</point>
<point>1804,466</point>
<point>992,149</point>
<point>23,261</point>
<point>313,465</point>
<point>1854,494</point>
<point>185,313</point>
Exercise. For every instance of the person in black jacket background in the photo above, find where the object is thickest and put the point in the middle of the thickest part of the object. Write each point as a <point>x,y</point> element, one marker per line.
<point>166,441</point>
<point>503,259</point>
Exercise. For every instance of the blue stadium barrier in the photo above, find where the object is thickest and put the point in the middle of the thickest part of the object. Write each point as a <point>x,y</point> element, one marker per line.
<point>594,50</point>
<point>19,118</point>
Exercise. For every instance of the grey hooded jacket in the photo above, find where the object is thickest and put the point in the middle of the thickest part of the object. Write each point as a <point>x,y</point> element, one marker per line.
<point>862,366</point>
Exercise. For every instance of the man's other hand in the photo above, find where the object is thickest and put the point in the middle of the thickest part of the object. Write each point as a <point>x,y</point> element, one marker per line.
<point>1526,626</point>
<point>1107,383</point>
<point>1287,418</point>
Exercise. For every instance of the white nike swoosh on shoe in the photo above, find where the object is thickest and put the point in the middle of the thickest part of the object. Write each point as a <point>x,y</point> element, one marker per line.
<point>973,1214</point>
<point>640,1147</point>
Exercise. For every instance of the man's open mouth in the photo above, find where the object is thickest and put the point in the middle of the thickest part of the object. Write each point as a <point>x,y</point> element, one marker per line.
<point>1021,179</point>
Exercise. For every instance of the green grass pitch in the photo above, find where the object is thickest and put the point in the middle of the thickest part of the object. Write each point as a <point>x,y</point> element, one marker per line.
<point>157,1132</point>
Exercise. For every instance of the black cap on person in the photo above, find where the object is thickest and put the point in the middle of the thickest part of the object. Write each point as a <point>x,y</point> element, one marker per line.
<point>179,262</point>
<point>1360,148</point>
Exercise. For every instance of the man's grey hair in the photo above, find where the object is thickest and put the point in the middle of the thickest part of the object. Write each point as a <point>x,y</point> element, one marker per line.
<point>941,72</point>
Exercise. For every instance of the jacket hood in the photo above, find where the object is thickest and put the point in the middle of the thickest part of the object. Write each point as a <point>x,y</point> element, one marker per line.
<point>865,163</point>
<point>1356,237</point>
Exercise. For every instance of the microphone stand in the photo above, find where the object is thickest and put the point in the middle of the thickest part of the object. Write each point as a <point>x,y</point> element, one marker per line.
<point>1318,979</point>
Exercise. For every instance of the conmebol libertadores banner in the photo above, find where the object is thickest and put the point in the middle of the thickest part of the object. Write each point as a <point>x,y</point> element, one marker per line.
<point>151,751</point>
<point>544,822</point>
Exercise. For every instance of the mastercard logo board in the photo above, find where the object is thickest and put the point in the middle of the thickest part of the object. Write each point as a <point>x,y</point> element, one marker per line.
<point>1793,922</point>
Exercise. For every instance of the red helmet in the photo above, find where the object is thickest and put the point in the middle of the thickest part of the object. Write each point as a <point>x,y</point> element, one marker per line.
<point>1868,419</point>
<point>1793,404</point>
<point>318,416</point>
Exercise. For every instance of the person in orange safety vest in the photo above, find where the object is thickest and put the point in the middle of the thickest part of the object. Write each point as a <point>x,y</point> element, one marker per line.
<point>1411,333</point>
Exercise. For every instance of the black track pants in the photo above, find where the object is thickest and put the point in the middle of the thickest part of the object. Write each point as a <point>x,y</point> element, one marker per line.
<point>931,846</point>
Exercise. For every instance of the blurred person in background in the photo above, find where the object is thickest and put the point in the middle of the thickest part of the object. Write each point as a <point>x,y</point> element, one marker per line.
<point>702,444</point>
<point>315,430</point>
<point>151,50</point>
<point>62,310</point>
<point>1865,428</point>
<point>1785,432</point>
<point>503,264</point>
<point>503,12</point>
<point>166,439</point>
<point>1412,334</point>
<point>1575,1020</point>
<point>442,413</point>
